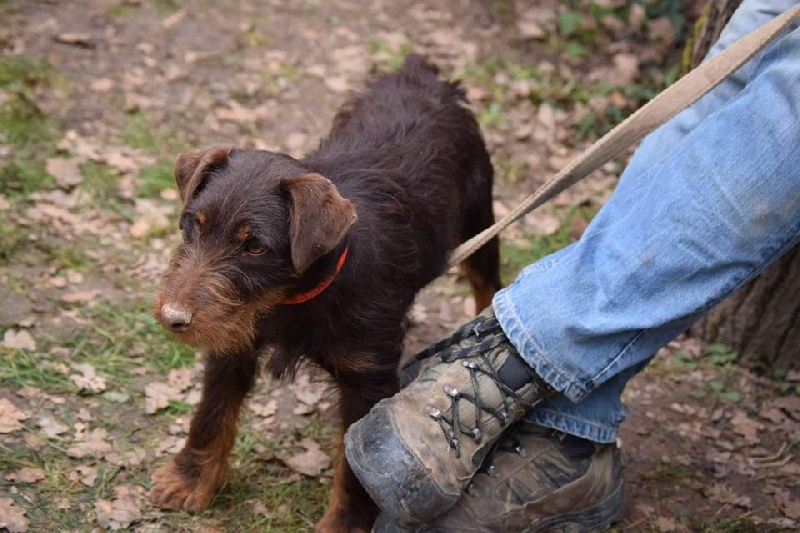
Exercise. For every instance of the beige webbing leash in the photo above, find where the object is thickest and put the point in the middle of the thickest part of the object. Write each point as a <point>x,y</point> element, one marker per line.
<point>657,111</point>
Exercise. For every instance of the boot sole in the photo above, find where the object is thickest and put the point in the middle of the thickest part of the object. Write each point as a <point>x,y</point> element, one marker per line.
<point>594,519</point>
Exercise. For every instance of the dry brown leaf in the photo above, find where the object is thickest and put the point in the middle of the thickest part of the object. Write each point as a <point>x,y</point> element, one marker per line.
<point>309,395</point>
<point>158,395</point>
<point>264,410</point>
<point>303,409</point>
<point>122,510</point>
<point>75,38</point>
<point>170,446</point>
<point>746,426</point>
<point>18,339</point>
<point>12,517</point>
<point>65,171</point>
<point>626,68</point>
<point>88,380</point>
<point>310,462</point>
<point>92,444</point>
<point>542,223</point>
<point>723,494</point>
<point>85,474</point>
<point>181,378</point>
<point>10,417</point>
<point>337,84</point>
<point>133,457</point>
<point>666,524</point>
<point>26,475</point>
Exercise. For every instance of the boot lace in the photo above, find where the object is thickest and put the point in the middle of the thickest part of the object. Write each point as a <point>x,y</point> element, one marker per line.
<point>487,331</point>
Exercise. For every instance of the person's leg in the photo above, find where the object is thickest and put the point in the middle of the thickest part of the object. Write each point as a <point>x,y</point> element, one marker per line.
<point>670,243</point>
<point>667,246</point>
<point>749,16</point>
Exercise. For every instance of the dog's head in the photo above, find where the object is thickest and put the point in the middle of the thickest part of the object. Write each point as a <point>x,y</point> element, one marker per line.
<point>253,222</point>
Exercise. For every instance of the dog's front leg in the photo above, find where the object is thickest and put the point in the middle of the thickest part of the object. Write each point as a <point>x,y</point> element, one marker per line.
<point>350,509</point>
<point>191,479</point>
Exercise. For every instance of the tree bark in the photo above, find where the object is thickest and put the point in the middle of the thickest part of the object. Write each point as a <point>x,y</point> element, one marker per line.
<point>762,319</point>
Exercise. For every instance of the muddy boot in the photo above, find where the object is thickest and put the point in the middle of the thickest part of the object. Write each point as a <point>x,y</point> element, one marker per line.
<point>415,452</point>
<point>535,480</point>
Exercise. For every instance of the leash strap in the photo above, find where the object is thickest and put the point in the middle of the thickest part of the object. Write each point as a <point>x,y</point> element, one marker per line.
<point>656,112</point>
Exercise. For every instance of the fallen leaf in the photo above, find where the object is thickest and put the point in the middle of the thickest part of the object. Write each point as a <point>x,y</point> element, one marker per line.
<point>723,494</point>
<point>746,426</point>
<point>303,409</point>
<point>158,395</point>
<point>133,457</point>
<point>10,417</point>
<point>181,378</point>
<point>85,474</point>
<point>12,518</point>
<point>666,525</point>
<point>626,68</point>
<point>337,84</point>
<point>26,475</point>
<point>88,380</point>
<point>264,410</point>
<point>122,510</point>
<point>170,446</point>
<point>65,171</point>
<point>542,223</point>
<point>93,444</point>
<point>77,39</point>
<point>174,19</point>
<point>101,85</point>
<point>310,462</point>
<point>18,339</point>
<point>79,297</point>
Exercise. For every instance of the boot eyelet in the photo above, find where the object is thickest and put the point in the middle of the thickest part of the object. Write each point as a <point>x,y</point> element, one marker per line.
<point>450,391</point>
<point>433,412</point>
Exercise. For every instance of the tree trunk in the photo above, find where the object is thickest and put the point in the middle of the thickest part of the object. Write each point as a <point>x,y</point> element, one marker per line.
<point>762,319</point>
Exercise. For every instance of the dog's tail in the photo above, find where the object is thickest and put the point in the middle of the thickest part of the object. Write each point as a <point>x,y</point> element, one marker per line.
<point>419,68</point>
<point>419,65</point>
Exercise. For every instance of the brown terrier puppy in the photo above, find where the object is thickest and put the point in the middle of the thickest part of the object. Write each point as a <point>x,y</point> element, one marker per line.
<point>320,259</point>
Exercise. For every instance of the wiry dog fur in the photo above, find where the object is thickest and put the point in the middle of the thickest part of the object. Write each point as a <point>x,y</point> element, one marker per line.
<point>401,179</point>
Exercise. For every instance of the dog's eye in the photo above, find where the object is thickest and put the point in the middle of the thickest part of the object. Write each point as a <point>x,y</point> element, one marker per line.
<point>254,248</point>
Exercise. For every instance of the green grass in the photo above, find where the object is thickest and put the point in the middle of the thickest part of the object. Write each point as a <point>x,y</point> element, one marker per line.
<point>101,183</point>
<point>122,334</point>
<point>20,368</point>
<point>514,258</point>
<point>24,126</point>
<point>154,179</point>
<point>13,238</point>
<point>142,133</point>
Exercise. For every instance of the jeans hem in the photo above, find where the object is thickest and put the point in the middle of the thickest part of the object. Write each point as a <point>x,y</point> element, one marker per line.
<point>578,427</point>
<point>530,351</point>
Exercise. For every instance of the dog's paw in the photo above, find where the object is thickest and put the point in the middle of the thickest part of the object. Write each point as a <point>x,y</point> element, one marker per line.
<point>171,490</point>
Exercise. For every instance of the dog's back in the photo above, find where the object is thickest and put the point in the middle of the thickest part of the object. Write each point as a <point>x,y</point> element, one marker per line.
<point>409,154</point>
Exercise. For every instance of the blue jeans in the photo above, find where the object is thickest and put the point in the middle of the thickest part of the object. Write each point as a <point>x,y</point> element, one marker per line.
<point>706,203</point>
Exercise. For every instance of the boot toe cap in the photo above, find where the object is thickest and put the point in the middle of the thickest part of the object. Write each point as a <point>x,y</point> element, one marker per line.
<point>393,475</point>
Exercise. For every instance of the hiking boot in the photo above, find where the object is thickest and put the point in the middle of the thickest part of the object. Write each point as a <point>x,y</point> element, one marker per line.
<point>535,480</point>
<point>414,453</point>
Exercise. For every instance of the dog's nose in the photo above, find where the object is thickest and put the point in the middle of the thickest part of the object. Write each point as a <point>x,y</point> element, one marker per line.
<point>176,317</point>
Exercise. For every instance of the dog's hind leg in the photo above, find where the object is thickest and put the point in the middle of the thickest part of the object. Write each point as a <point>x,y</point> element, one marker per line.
<point>482,268</point>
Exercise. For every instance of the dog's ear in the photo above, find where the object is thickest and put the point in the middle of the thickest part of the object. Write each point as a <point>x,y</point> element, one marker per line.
<point>192,169</point>
<point>319,219</point>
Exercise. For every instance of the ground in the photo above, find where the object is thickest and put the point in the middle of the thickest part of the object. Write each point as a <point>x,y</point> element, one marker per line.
<point>98,97</point>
